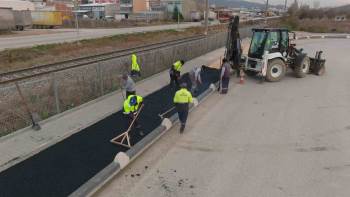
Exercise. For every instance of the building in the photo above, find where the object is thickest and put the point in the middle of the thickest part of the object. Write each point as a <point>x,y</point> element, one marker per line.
<point>17,4</point>
<point>186,7</point>
<point>170,5</point>
<point>130,6</point>
<point>115,2</point>
<point>98,10</point>
<point>140,6</point>
<point>155,5</point>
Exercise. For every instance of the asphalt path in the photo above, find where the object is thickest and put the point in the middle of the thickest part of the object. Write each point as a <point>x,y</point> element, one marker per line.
<point>70,35</point>
<point>65,166</point>
<point>290,138</point>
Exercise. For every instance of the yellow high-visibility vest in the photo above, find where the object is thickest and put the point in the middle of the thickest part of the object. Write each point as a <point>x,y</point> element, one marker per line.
<point>132,108</point>
<point>183,96</point>
<point>134,65</point>
<point>177,66</point>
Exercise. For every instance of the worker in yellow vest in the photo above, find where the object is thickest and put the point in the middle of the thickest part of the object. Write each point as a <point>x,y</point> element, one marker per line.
<point>135,68</point>
<point>175,72</point>
<point>132,105</point>
<point>182,99</point>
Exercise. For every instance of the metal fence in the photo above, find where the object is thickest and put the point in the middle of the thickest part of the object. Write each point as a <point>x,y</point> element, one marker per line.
<point>51,94</point>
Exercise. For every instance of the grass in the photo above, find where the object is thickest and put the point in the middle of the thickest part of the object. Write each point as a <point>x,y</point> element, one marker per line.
<point>5,32</point>
<point>13,59</point>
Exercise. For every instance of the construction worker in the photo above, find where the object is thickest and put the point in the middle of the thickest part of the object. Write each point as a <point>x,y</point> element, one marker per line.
<point>224,76</point>
<point>175,72</point>
<point>182,99</point>
<point>195,76</point>
<point>128,85</point>
<point>135,68</point>
<point>132,105</point>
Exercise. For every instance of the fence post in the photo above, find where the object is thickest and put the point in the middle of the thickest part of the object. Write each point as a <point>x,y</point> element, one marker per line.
<point>100,78</point>
<point>35,125</point>
<point>55,93</point>
<point>207,41</point>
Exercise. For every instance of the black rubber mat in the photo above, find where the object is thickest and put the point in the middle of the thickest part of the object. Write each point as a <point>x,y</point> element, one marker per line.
<point>65,166</point>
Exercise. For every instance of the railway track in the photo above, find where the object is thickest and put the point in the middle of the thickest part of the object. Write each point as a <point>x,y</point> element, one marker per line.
<point>35,71</point>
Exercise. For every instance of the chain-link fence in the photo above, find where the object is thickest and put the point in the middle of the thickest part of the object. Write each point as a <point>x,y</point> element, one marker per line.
<point>54,93</point>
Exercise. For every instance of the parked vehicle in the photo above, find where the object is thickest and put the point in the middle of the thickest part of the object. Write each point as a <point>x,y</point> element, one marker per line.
<point>271,53</point>
<point>195,16</point>
<point>7,20</point>
<point>17,4</point>
<point>23,19</point>
<point>46,19</point>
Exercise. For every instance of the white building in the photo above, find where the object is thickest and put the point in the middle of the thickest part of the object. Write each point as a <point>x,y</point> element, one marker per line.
<point>17,4</point>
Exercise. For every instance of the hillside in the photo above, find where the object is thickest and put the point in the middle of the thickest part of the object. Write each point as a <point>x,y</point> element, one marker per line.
<point>237,3</point>
<point>345,8</point>
<point>242,4</point>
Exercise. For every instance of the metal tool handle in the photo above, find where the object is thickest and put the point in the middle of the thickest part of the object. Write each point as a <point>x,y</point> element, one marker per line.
<point>169,110</point>
<point>134,120</point>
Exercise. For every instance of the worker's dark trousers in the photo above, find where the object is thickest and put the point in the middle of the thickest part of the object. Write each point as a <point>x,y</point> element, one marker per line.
<point>128,93</point>
<point>182,111</point>
<point>135,73</point>
<point>194,84</point>
<point>174,77</point>
<point>224,82</point>
<point>129,118</point>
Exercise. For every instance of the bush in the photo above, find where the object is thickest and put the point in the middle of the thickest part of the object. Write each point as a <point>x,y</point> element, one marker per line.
<point>177,15</point>
<point>290,22</point>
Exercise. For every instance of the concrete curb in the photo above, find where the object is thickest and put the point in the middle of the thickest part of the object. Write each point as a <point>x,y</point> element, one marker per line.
<point>123,159</point>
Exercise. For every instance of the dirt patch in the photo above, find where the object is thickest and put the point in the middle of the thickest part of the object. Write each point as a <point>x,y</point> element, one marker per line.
<point>337,168</point>
<point>198,148</point>
<point>315,149</point>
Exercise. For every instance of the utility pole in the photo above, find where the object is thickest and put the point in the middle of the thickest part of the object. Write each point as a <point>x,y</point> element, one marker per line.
<point>178,15</point>
<point>267,8</point>
<point>206,17</point>
<point>285,5</point>
<point>76,8</point>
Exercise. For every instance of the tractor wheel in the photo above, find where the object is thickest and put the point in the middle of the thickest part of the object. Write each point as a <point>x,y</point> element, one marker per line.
<point>276,69</point>
<point>302,66</point>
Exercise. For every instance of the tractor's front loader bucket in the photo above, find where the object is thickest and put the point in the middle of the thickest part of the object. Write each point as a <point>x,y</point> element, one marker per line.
<point>317,64</point>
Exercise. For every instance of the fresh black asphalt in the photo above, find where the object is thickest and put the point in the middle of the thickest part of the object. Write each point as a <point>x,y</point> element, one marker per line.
<point>62,168</point>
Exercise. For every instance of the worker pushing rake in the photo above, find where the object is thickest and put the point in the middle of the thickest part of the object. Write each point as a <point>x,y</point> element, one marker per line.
<point>133,106</point>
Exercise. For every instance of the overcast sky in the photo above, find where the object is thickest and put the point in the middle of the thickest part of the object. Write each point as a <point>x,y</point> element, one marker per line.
<point>310,2</point>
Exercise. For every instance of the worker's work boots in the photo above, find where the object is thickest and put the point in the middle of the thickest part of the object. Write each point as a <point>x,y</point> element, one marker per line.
<point>182,128</point>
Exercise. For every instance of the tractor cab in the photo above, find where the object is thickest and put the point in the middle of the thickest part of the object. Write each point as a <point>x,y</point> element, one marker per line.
<point>270,40</point>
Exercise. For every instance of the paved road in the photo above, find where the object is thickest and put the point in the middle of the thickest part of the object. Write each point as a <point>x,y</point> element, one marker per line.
<point>290,138</point>
<point>69,35</point>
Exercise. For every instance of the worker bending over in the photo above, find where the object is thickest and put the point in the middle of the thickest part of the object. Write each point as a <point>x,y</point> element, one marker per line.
<point>175,72</point>
<point>128,85</point>
<point>196,80</point>
<point>132,105</point>
<point>135,68</point>
<point>182,100</point>
<point>224,76</point>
